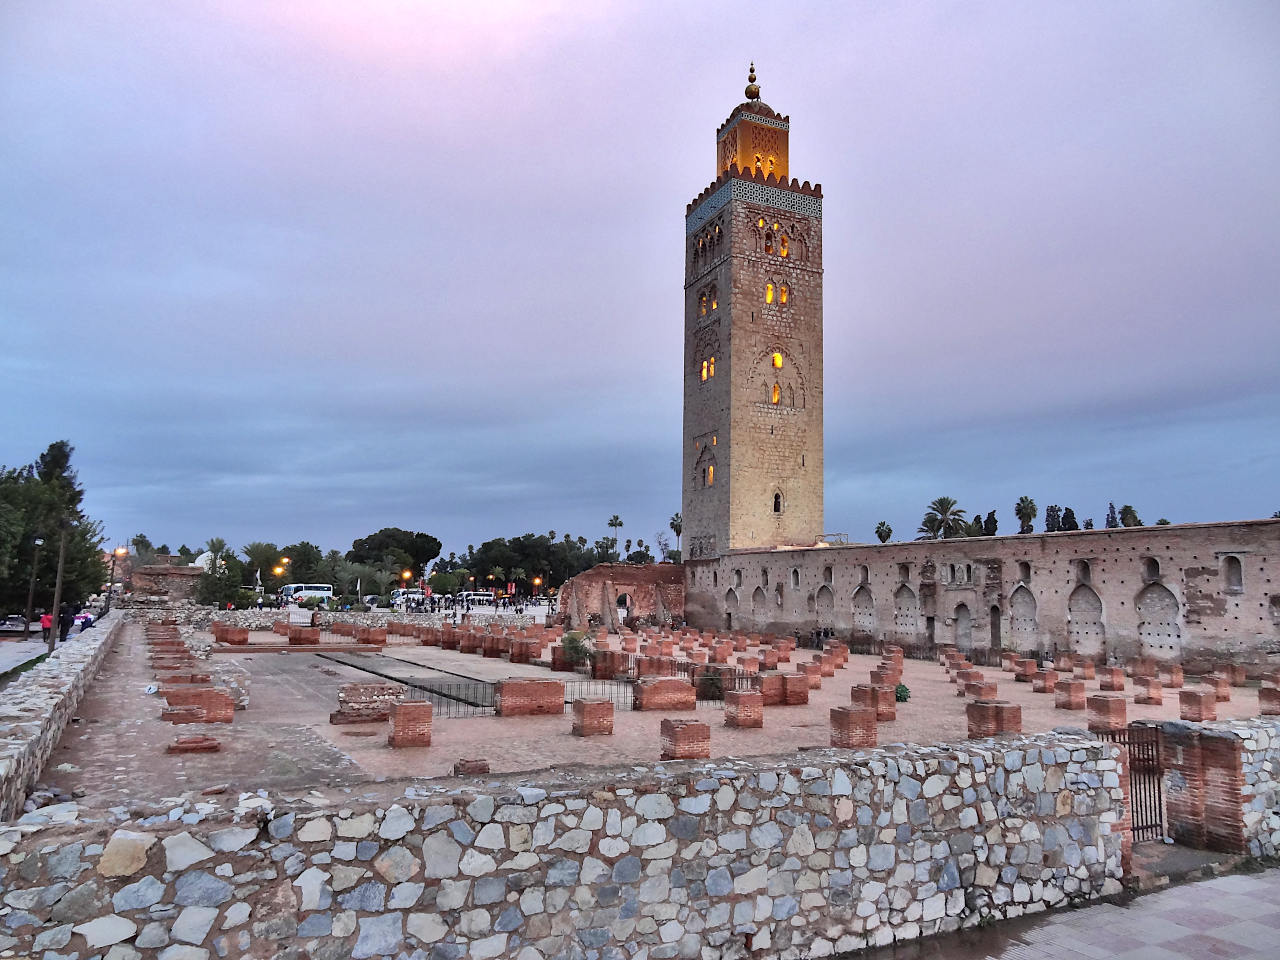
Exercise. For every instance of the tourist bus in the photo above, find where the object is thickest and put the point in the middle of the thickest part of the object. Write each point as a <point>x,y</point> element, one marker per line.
<point>293,592</point>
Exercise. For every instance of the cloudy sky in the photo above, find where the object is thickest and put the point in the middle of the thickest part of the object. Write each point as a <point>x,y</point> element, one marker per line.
<point>304,270</point>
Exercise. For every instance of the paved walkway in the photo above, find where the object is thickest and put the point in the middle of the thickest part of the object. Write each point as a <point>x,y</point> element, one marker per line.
<point>1228,918</point>
<point>15,653</point>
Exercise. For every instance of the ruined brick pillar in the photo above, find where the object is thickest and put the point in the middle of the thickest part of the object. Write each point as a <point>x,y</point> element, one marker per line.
<point>879,698</point>
<point>982,717</point>
<point>1106,712</point>
<point>1219,684</point>
<point>981,690</point>
<point>1197,704</point>
<point>592,718</point>
<point>1085,670</point>
<point>1044,681</point>
<point>1025,669</point>
<point>1269,701</point>
<point>1069,695</point>
<point>814,672</point>
<point>664,693</point>
<point>1148,690</point>
<point>1111,679</point>
<point>770,687</point>
<point>529,697</point>
<point>410,724</point>
<point>795,689</point>
<point>1173,676</point>
<point>853,727</point>
<point>744,708</point>
<point>685,740</point>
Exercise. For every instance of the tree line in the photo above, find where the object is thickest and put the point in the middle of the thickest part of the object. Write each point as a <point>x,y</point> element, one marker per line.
<point>945,519</point>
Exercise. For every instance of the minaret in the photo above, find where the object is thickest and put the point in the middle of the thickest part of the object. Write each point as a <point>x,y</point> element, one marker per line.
<point>753,345</point>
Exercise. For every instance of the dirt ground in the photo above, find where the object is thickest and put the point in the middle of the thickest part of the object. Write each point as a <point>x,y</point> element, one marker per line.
<point>284,740</point>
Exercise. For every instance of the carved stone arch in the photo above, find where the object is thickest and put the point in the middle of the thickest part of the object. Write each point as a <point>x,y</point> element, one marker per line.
<point>826,604</point>
<point>963,624</point>
<point>758,601</point>
<point>1159,626</point>
<point>864,612</point>
<point>1086,631</point>
<point>706,458</point>
<point>791,379</point>
<point>1023,628</point>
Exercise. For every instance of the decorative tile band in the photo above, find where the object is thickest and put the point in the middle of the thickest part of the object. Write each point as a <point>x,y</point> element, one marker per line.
<point>754,118</point>
<point>752,193</point>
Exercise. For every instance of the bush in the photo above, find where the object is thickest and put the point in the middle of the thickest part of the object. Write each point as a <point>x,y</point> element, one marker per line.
<point>245,600</point>
<point>902,693</point>
<point>576,649</point>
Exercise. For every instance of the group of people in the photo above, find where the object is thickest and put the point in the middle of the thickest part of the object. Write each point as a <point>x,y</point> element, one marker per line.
<point>65,620</point>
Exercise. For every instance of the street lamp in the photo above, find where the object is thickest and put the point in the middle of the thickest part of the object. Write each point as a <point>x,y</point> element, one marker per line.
<point>66,526</point>
<point>116,554</point>
<point>537,586</point>
<point>31,590</point>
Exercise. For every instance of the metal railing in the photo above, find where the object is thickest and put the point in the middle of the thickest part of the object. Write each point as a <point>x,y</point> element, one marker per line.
<point>454,698</point>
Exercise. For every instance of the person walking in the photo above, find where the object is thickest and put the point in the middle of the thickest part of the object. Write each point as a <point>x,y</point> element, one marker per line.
<point>66,620</point>
<point>46,624</point>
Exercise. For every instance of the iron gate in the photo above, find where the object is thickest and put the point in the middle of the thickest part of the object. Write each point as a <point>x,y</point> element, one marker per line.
<point>1146,776</point>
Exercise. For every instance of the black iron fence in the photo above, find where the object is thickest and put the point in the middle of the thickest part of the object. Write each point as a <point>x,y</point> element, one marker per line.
<point>622,693</point>
<point>1146,777</point>
<point>454,698</point>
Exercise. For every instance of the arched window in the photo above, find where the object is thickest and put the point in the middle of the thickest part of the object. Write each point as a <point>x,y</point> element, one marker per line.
<point>759,160</point>
<point>782,293</point>
<point>704,370</point>
<point>777,503</point>
<point>1084,573</point>
<point>795,577</point>
<point>776,395</point>
<point>711,366</point>
<point>768,293</point>
<point>768,242</point>
<point>715,298</point>
<point>702,305</point>
<point>864,574</point>
<point>1234,574</point>
<point>1024,571</point>
<point>1151,568</point>
<point>760,223</point>
<point>783,246</point>
<point>777,361</point>
<point>764,576</point>
<point>711,474</point>
<point>791,396</point>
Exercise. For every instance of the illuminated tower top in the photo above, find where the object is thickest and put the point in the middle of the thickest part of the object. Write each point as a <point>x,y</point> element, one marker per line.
<point>754,138</point>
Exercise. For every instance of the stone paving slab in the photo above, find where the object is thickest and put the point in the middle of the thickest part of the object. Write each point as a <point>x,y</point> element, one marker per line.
<point>18,653</point>
<point>1234,917</point>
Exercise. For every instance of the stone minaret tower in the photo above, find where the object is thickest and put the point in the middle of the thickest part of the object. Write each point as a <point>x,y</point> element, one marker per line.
<point>752,345</point>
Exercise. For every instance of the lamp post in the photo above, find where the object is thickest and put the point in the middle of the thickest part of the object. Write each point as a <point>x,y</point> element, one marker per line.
<point>116,554</point>
<point>405,577</point>
<point>56,610</point>
<point>537,586</point>
<point>31,590</point>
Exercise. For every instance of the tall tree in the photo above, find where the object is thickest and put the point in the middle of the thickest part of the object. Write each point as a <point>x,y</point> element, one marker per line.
<point>1163,522</point>
<point>1088,524</point>
<point>216,546</point>
<point>677,527</point>
<point>615,524</point>
<point>419,548</point>
<point>1129,516</point>
<point>1025,510</point>
<point>1052,518</point>
<point>1069,521</point>
<point>974,528</point>
<point>1113,521</point>
<point>884,531</point>
<point>943,519</point>
<point>990,525</point>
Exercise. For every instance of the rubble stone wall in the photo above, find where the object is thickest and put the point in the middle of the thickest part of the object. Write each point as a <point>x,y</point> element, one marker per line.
<point>771,857</point>
<point>37,706</point>
<point>200,617</point>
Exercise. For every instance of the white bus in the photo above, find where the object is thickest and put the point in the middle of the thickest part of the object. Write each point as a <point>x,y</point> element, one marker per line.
<point>476,596</point>
<point>293,592</point>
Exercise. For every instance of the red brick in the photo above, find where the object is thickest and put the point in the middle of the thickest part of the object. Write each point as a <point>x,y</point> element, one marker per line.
<point>982,718</point>
<point>795,689</point>
<point>592,718</point>
<point>1173,676</point>
<point>411,723</point>
<point>1086,670</point>
<point>530,697</point>
<point>1269,701</point>
<point>1069,694</point>
<point>1044,681</point>
<point>1197,704</point>
<point>371,635</point>
<point>853,728</point>
<point>981,690</point>
<point>770,687</point>
<point>744,709</point>
<point>685,740</point>
<point>1220,684</point>
<point>1148,690</point>
<point>1024,669</point>
<point>1107,712</point>
<point>216,704</point>
<point>1111,679</point>
<point>304,636</point>
<point>366,702</point>
<point>196,744</point>
<point>664,693</point>
<point>471,767</point>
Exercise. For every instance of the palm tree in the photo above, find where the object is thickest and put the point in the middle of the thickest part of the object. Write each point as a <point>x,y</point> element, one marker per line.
<point>519,575</point>
<point>1025,510</point>
<point>943,520</point>
<point>216,546</point>
<point>615,524</point>
<point>677,525</point>
<point>884,531</point>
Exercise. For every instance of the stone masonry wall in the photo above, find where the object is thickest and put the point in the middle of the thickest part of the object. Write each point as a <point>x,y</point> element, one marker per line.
<point>38,705</point>
<point>198,616</point>
<point>780,857</point>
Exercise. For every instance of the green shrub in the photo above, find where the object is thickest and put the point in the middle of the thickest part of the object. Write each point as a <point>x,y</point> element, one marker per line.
<point>902,693</point>
<point>245,600</point>
<point>576,649</point>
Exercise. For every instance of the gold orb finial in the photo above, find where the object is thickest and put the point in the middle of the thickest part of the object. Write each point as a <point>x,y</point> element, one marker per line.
<point>753,88</point>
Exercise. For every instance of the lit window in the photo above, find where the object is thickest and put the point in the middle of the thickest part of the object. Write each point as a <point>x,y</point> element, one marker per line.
<point>775,226</point>
<point>715,298</point>
<point>782,293</point>
<point>704,370</point>
<point>760,223</point>
<point>702,305</point>
<point>713,366</point>
<point>777,394</point>
<point>777,361</point>
<point>782,245</point>
<point>768,243</point>
<point>711,474</point>
<point>768,293</point>
<point>713,439</point>
<point>759,160</point>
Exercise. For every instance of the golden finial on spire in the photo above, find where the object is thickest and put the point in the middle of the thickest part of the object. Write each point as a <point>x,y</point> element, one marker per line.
<point>753,88</point>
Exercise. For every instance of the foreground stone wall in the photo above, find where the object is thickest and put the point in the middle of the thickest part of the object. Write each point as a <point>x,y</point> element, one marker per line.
<point>36,707</point>
<point>1189,592</point>
<point>200,617</point>
<point>775,857</point>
